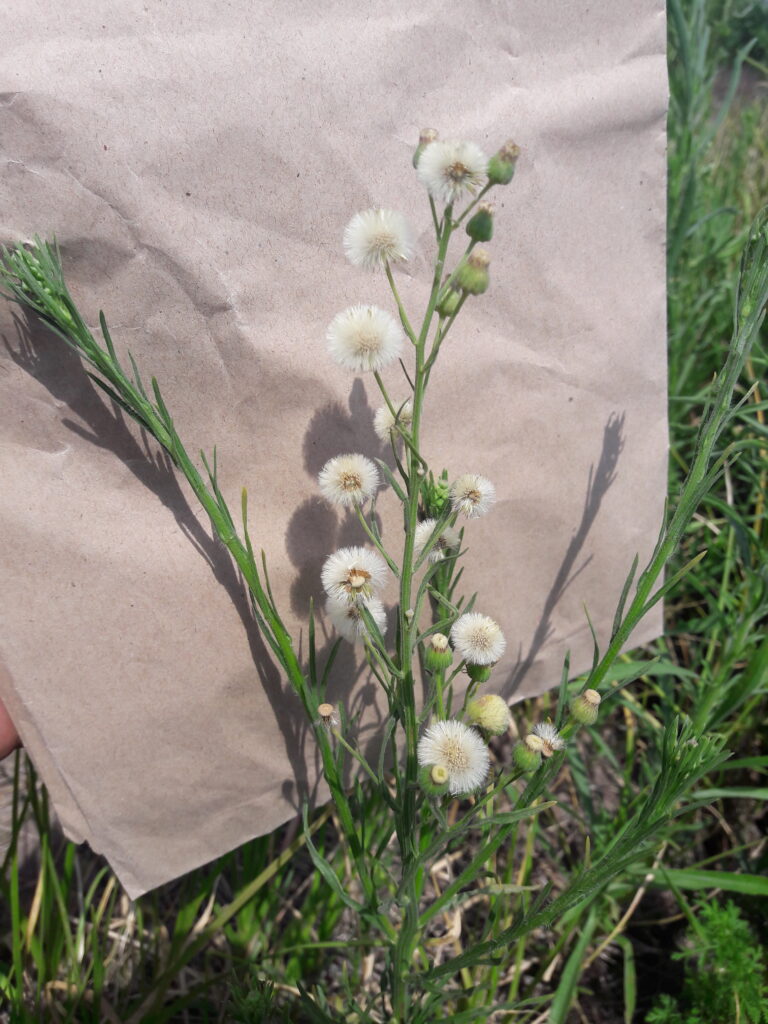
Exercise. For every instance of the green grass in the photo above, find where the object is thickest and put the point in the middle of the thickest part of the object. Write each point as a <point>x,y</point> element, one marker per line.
<point>243,938</point>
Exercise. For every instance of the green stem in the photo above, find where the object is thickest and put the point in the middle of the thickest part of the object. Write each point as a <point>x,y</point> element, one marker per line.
<point>400,308</point>
<point>486,188</point>
<point>376,542</point>
<point>408,830</point>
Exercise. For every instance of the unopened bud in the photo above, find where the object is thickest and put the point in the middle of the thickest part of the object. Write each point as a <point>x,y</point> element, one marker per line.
<point>479,673</point>
<point>472,275</point>
<point>448,300</point>
<point>584,708</point>
<point>426,135</point>
<point>433,779</point>
<point>525,757</point>
<point>480,224</point>
<point>490,712</point>
<point>438,654</point>
<point>501,166</point>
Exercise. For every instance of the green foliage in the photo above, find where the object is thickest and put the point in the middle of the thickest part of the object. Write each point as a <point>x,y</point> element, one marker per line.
<point>738,22</point>
<point>726,975</point>
<point>253,1002</point>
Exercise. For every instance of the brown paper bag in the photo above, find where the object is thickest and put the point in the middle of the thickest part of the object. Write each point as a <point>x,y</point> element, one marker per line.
<point>198,164</point>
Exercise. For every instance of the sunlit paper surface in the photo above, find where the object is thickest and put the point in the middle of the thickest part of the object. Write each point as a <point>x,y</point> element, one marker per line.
<point>198,163</point>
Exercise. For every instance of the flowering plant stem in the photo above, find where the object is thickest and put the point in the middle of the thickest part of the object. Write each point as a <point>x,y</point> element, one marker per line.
<point>394,910</point>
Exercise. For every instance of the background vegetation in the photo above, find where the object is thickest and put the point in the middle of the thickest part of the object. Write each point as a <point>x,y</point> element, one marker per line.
<point>681,936</point>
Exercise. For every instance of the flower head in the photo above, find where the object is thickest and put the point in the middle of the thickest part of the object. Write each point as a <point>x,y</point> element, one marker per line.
<point>472,495</point>
<point>384,421</point>
<point>527,753</point>
<point>480,224</point>
<point>490,712</point>
<point>348,479</point>
<point>376,237</point>
<point>348,618</point>
<point>478,639</point>
<point>549,737</point>
<point>447,169</point>
<point>585,707</point>
<point>426,135</point>
<point>472,276</point>
<point>447,541</point>
<point>501,166</point>
<point>353,574</point>
<point>437,654</point>
<point>459,750</point>
<point>328,715</point>
<point>364,338</point>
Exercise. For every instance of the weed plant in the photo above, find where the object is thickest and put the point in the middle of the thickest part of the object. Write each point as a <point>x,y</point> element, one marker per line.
<point>726,976</point>
<point>540,914</point>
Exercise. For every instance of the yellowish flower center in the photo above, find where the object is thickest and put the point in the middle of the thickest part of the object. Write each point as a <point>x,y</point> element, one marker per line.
<point>481,639</point>
<point>368,340</point>
<point>358,579</point>
<point>383,242</point>
<point>350,481</point>
<point>455,755</point>
<point>456,172</point>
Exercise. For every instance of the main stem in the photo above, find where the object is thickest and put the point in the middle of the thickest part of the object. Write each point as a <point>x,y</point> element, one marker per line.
<point>408,829</point>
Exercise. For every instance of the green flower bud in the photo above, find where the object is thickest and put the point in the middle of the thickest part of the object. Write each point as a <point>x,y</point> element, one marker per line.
<point>479,673</point>
<point>501,166</point>
<point>480,224</point>
<point>438,654</point>
<point>426,135</point>
<point>435,495</point>
<point>433,779</point>
<point>490,713</point>
<point>526,758</point>
<point>584,707</point>
<point>472,275</point>
<point>448,300</point>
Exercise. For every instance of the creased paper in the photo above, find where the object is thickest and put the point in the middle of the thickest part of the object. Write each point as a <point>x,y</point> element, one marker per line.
<point>197,163</point>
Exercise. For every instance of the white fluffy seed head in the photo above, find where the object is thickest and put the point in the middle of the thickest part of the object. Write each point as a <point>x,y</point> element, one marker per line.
<point>446,543</point>
<point>448,169</point>
<point>459,750</point>
<point>376,237</point>
<point>354,574</point>
<point>364,338</point>
<point>384,421</point>
<point>348,480</point>
<point>478,639</point>
<point>550,738</point>
<point>472,495</point>
<point>348,618</point>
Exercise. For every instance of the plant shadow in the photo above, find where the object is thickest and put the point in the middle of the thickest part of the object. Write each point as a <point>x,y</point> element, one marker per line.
<point>600,480</point>
<point>98,420</point>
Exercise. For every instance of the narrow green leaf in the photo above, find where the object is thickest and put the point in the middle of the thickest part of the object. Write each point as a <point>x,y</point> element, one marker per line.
<point>391,479</point>
<point>325,868</point>
<point>569,979</point>
<point>630,977</point>
<point>693,878</point>
<point>733,792</point>
<point>623,598</point>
